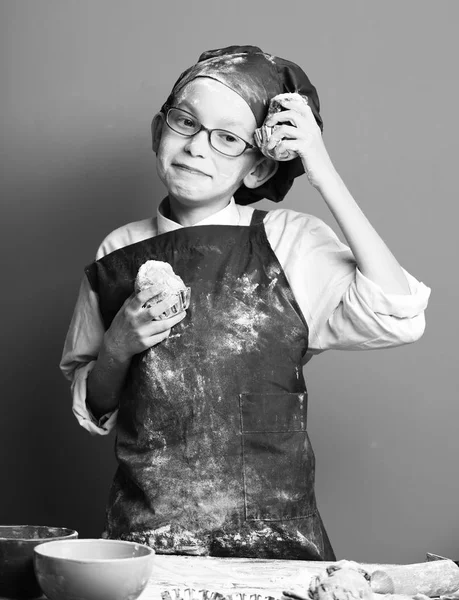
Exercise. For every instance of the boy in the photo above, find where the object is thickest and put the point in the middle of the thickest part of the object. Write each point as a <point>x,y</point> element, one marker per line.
<point>210,405</point>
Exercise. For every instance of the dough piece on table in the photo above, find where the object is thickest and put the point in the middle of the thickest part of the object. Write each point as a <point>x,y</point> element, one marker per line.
<point>344,580</point>
<point>436,578</point>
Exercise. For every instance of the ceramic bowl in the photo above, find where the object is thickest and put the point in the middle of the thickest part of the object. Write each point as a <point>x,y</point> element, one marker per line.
<point>93,569</point>
<point>17,543</point>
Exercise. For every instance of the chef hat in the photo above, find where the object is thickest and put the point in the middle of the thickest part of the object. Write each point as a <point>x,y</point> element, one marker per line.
<point>257,77</point>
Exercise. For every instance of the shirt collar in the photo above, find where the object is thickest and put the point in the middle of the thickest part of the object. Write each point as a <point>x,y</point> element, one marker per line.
<point>226,216</point>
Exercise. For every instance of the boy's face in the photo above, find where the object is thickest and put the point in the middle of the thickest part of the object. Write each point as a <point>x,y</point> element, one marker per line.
<point>192,171</point>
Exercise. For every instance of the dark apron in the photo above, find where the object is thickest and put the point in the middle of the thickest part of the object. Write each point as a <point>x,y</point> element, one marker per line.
<point>214,456</point>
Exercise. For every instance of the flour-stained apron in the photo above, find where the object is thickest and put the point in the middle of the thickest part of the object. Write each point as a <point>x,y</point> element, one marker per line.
<point>213,452</point>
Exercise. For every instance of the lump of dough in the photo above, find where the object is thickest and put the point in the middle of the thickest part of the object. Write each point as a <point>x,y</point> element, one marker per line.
<point>166,285</point>
<point>263,134</point>
<point>344,580</point>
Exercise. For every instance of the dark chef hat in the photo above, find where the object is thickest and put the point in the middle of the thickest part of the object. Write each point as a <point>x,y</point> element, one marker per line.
<point>257,77</point>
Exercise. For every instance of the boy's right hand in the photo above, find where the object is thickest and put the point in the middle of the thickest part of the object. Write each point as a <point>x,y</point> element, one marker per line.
<point>134,328</point>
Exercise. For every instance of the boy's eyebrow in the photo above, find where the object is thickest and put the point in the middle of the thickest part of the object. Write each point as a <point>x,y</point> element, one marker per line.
<point>229,121</point>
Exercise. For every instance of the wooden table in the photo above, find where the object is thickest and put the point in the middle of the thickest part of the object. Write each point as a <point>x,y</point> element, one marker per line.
<point>231,575</point>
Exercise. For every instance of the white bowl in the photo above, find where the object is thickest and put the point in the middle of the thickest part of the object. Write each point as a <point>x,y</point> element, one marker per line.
<point>93,569</point>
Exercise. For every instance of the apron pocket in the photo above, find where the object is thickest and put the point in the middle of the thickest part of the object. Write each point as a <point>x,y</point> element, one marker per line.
<point>278,464</point>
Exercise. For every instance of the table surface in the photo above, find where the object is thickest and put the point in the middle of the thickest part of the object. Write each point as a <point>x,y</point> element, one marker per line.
<point>231,575</point>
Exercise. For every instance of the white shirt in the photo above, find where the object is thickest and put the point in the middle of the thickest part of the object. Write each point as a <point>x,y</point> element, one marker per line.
<point>343,309</point>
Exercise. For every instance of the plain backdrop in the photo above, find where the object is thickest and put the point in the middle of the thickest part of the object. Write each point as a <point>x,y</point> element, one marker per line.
<point>79,83</point>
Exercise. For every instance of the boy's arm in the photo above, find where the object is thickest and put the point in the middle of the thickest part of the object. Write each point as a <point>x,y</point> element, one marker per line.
<point>304,137</point>
<point>373,257</point>
<point>343,309</point>
<point>133,330</point>
<point>104,383</point>
<point>96,361</point>
<point>82,346</point>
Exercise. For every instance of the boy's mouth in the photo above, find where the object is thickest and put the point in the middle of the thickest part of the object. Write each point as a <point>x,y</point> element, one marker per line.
<point>189,169</point>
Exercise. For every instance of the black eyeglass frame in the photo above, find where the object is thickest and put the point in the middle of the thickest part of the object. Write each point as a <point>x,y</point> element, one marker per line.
<point>166,109</point>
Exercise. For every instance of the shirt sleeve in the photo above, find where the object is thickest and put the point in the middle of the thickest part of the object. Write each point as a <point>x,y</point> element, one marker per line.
<point>86,331</point>
<point>81,349</point>
<point>343,308</point>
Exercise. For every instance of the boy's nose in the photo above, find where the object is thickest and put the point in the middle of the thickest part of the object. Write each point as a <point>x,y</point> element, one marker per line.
<point>199,144</point>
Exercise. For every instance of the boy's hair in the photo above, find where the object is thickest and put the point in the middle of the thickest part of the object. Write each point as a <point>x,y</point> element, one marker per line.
<point>257,77</point>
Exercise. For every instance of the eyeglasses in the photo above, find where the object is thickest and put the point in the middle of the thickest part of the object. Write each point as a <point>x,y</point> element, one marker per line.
<point>222,141</point>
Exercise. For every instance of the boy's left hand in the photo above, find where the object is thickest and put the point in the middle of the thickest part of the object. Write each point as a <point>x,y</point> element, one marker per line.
<point>302,136</point>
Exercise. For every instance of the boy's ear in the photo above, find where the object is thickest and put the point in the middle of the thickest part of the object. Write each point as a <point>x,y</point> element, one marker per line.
<point>156,130</point>
<point>263,169</point>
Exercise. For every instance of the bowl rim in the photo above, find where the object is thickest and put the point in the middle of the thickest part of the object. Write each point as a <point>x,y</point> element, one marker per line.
<point>69,535</point>
<point>41,550</point>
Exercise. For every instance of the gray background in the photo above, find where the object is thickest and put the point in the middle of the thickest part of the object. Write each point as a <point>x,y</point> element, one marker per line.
<point>79,83</point>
